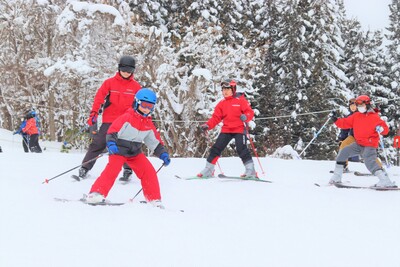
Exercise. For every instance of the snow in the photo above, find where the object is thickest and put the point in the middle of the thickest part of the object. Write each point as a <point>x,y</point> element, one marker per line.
<point>203,72</point>
<point>289,222</point>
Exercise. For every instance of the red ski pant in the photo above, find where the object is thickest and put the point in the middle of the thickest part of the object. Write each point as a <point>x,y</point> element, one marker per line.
<point>141,166</point>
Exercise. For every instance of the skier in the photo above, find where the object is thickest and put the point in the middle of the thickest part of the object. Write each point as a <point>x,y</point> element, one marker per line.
<point>367,126</point>
<point>113,98</point>
<point>346,136</point>
<point>234,110</point>
<point>124,142</point>
<point>25,137</point>
<point>30,133</point>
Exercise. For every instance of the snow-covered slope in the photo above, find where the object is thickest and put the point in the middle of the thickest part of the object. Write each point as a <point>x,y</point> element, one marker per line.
<point>289,222</point>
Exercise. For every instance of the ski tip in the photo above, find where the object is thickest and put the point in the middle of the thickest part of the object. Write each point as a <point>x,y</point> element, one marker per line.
<point>75,177</point>
<point>317,184</point>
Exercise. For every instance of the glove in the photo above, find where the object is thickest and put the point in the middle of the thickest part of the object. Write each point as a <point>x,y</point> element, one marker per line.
<point>204,127</point>
<point>165,157</point>
<point>16,132</point>
<point>243,117</point>
<point>333,115</point>
<point>92,118</point>
<point>112,148</point>
<point>379,129</point>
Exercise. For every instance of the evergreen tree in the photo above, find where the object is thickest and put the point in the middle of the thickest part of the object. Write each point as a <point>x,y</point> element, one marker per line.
<point>393,59</point>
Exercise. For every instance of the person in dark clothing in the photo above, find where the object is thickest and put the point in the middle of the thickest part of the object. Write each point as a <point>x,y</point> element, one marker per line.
<point>25,137</point>
<point>113,98</point>
<point>346,136</point>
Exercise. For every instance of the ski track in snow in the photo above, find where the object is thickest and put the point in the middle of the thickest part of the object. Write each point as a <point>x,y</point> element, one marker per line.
<point>289,222</point>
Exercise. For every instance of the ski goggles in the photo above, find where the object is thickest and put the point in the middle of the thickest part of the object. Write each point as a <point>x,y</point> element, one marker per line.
<point>146,105</point>
<point>361,102</point>
<point>225,85</point>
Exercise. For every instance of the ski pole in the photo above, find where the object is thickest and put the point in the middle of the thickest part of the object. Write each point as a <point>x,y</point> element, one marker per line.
<point>141,189</point>
<point>384,150</point>
<point>315,136</point>
<point>253,147</point>
<point>46,181</point>
<point>398,157</point>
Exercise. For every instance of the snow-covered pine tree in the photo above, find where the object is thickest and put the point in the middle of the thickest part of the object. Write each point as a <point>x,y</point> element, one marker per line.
<point>310,75</point>
<point>269,130</point>
<point>393,59</point>
<point>185,64</point>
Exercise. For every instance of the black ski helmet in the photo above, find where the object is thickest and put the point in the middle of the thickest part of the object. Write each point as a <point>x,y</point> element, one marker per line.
<point>127,64</point>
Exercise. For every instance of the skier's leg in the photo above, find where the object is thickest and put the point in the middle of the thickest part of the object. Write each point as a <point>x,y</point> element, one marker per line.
<point>145,171</point>
<point>374,165</point>
<point>95,148</point>
<point>215,152</point>
<point>105,181</point>
<point>348,151</point>
<point>245,156</point>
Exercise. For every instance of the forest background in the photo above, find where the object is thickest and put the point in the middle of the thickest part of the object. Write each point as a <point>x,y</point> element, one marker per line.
<point>296,60</point>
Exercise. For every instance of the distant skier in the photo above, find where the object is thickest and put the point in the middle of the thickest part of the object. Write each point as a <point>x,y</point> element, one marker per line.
<point>113,98</point>
<point>367,126</point>
<point>30,133</point>
<point>124,143</point>
<point>346,136</point>
<point>234,110</point>
<point>25,137</point>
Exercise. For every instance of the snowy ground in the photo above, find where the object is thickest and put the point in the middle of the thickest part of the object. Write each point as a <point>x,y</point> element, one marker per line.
<point>287,223</point>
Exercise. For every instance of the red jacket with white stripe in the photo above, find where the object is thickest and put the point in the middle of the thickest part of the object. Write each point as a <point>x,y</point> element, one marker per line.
<point>117,95</point>
<point>364,127</point>
<point>132,129</point>
<point>229,110</point>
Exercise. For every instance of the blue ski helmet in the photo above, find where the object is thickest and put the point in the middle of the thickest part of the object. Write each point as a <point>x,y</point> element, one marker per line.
<point>144,95</point>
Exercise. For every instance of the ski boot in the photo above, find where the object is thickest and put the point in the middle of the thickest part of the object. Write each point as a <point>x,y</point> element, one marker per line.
<point>126,175</point>
<point>337,174</point>
<point>250,172</point>
<point>208,171</point>
<point>95,198</point>
<point>384,180</point>
<point>83,173</point>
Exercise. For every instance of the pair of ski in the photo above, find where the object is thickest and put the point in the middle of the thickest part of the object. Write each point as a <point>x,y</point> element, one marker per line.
<point>78,179</point>
<point>106,203</point>
<point>356,173</point>
<point>223,176</point>
<point>348,186</point>
<point>83,200</point>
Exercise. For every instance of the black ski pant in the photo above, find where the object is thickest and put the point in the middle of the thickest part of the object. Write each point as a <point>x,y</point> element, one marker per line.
<point>25,142</point>
<point>34,143</point>
<point>221,143</point>
<point>97,147</point>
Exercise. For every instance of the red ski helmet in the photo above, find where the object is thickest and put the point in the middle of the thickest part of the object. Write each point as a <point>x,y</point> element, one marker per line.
<point>363,99</point>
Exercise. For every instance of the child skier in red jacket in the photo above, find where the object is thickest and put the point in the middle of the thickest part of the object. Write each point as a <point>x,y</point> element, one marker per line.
<point>234,110</point>
<point>32,131</point>
<point>367,127</point>
<point>124,142</point>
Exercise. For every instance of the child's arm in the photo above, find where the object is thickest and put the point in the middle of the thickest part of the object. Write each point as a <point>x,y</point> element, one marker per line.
<point>246,109</point>
<point>216,117</point>
<point>345,123</point>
